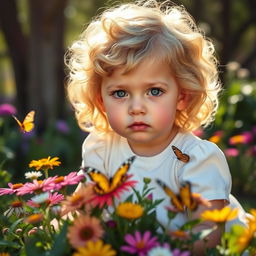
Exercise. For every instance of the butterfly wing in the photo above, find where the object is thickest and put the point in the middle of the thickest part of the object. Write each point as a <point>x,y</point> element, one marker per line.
<point>121,174</point>
<point>28,123</point>
<point>175,199</point>
<point>101,181</point>
<point>186,196</point>
<point>181,156</point>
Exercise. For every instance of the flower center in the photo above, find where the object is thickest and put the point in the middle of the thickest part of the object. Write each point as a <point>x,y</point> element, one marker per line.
<point>16,204</point>
<point>140,245</point>
<point>59,179</point>
<point>86,233</point>
<point>75,199</point>
<point>17,185</point>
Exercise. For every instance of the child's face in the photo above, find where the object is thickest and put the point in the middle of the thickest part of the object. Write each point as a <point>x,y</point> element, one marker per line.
<point>141,105</point>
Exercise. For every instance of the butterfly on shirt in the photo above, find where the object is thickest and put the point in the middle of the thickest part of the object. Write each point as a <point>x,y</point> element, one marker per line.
<point>106,185</point>
<point>180,156</point>
<point>28,123</point>
<point>183,199</point>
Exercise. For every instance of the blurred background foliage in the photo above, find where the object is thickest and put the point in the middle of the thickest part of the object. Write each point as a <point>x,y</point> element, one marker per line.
<point>34,35</point>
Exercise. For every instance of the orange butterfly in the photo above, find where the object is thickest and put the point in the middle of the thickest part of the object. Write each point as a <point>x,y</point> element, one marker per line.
<point>181,156</point>
<point>184,199</point>
<point>28,123</point>
<point>104,184</point>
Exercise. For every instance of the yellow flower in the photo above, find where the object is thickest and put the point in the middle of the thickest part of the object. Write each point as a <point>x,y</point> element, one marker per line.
<point>4,254</point>
<point>45,163</point>
<point>95,249</point>
<point>220,216</point>
<point>129,210</point>
<point>246,236</point>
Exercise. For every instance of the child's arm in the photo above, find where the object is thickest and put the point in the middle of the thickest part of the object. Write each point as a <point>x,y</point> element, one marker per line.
<point>214,238</point>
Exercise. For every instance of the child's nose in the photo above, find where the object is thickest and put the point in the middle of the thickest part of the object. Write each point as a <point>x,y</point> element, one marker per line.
<point>137,107</point>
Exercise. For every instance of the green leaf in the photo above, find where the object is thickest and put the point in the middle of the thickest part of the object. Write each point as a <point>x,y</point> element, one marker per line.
<point>60,246</point>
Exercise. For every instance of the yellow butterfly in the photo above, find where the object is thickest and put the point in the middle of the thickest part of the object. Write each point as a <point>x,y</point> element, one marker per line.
<point>28,123</point>
<point>183,199</point>
<point>181,156</point>
<point>105,185</point>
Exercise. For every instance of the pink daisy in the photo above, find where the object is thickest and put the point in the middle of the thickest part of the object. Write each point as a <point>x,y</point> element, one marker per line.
<point>139,244</point>
<point>36,186</point>
<point>62,181</point>
<point>102,199</point>
<point>13,188</point>
<point>50,200</point>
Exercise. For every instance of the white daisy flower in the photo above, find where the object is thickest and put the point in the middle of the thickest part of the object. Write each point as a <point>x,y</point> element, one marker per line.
<point>33,175</point>
<point>160,251</point>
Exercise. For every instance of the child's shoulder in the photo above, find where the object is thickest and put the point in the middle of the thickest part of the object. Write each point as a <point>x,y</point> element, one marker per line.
<point>193,145</point>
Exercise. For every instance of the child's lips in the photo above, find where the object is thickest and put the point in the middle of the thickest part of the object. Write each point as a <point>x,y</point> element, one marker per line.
<point>138,126</point>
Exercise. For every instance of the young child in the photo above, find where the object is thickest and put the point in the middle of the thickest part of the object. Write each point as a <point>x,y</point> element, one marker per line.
<point>143,77</point>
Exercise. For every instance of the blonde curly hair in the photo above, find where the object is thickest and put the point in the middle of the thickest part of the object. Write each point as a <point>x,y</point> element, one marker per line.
<point>128,34</point>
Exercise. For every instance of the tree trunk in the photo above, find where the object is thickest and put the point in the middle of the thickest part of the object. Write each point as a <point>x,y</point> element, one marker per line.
<point>46,88</point>
<point>18,50</point>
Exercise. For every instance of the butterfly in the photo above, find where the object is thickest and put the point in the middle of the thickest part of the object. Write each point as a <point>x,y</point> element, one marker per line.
<point>105,185</point>
<point>183,199</point>
<point>181,156</point>
<point>28,123</point>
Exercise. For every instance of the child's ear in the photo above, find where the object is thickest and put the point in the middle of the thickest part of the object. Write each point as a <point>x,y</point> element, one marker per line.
<point>182,101</point>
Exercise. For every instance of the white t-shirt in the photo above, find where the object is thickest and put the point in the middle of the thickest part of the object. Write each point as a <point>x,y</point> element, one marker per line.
<point>207,169</point>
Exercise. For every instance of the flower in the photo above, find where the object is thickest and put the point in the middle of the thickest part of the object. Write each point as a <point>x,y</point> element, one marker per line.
<point>78,199</point>
<point>220,216</point>
<point>129,210</point>
<point>16,207</point>
<point>216,137</point>
<point>33,175</point>
<point>244,138</point>
<point>34,218</point>
<point>48,198</point>
<point>7,109</point>
<point>4,254</point>
<point>231,152</point>
<point>139,243</point>
<point>160,251</point>
<point>107,198</point>
<point>246,236</point>
<point>62,181</point>
<point>45,163</point>
<point>13,188</point>
<point>62,126</point>
<point>84,229</point>
<point>177,252</point>
<point>97,248</point>
<point>36,186</point>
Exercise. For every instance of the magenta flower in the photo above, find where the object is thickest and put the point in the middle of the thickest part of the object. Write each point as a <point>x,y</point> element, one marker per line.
<point>37,186</point>
<point>7,110</point>
<point>13,188</point>
<point>139,244</point>
<point>231,152</point>
<point>177,252</point>
<point>62,181</point>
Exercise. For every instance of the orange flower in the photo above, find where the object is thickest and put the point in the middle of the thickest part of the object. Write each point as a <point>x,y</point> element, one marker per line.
<point>34,218</point>
<point>81,198</point>
<point>84,229</point>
